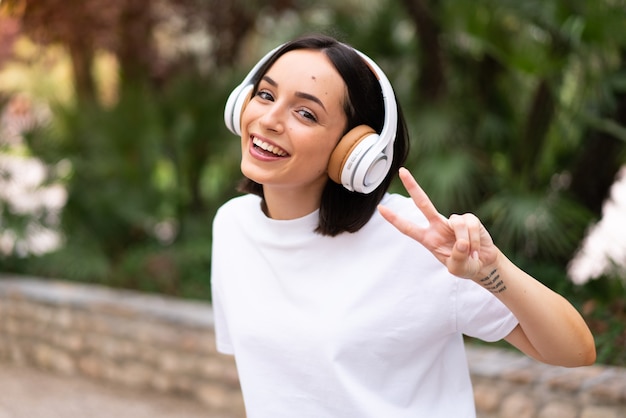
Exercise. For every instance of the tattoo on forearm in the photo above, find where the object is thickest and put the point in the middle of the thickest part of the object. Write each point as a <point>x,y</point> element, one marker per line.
<point>493,282</point>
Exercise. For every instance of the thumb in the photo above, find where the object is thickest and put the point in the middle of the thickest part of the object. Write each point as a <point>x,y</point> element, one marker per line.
<point>461,247</point>
<point>459,262</point>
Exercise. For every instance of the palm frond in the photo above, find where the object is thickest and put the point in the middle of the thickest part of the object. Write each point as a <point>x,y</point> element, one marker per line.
<point>533,225</point>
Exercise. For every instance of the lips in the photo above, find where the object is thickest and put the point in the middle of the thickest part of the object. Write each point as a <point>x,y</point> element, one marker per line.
<point>269,148</point>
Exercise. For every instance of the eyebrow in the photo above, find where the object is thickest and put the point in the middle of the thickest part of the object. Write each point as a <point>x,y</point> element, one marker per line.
<point>300,94</point>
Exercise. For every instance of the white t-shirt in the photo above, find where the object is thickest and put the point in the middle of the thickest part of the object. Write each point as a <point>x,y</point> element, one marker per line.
<point>359,325</point>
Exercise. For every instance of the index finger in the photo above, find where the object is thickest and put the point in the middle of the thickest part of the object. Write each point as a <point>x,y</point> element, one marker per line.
<point>419,196</point>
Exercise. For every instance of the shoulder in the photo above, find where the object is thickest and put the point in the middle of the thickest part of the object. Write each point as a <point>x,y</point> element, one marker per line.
<point>238,210</point>
<point>239,204</point>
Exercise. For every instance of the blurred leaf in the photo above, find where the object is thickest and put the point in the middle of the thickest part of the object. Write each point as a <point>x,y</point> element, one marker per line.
<point>535,225</point>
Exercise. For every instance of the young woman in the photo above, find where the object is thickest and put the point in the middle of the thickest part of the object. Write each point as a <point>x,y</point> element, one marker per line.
<point>337,298</point>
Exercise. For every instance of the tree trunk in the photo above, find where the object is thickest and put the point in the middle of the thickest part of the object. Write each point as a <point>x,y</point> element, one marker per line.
<point>599,160</point>
<point>432,83</point>
<point>81,53</point>
<point>135,49</point>
<point>536,128</point>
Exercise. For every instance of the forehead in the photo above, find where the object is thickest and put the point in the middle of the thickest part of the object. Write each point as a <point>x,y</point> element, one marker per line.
<point>308,68</point>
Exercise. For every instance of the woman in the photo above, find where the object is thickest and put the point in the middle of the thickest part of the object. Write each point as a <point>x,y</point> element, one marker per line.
<point>337,298</point>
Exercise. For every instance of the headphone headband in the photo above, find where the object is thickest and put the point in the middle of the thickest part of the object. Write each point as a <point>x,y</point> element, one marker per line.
<point>387,136</point>
<point>363,163</point>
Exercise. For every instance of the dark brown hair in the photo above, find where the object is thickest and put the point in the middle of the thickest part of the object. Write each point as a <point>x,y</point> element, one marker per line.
<point>342,210</point>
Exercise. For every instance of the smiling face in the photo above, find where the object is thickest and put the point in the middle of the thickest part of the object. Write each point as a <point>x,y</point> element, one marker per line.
<point>291,126</point>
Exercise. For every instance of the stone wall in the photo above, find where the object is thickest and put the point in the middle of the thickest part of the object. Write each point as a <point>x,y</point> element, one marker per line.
<point>123,338</point>
<point>164,344</point>
<point>511,385</point>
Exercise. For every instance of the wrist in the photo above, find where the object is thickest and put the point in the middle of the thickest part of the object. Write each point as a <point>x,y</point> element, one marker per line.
<point>490,277</point>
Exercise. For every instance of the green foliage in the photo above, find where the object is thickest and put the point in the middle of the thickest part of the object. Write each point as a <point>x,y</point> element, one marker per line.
<point>505,138</point>
<point>140,190</point>
<point>525,88</point>
<point>535,226</point>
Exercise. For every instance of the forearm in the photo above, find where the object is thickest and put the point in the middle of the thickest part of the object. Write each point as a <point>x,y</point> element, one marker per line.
<point>556,332</point>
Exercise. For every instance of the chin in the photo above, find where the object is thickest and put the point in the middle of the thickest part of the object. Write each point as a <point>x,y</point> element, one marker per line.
<point>252,173</point>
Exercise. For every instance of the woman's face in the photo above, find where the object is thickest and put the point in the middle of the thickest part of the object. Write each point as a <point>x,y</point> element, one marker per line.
<point>293,122</point>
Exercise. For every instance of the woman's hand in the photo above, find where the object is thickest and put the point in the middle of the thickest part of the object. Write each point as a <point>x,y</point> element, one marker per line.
<point>460,242</point>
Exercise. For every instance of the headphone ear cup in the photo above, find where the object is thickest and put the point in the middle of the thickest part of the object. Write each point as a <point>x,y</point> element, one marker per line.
<point>244,99</point>
<point>235,105</point>
<point>342,152</point>
<point>229,107</point>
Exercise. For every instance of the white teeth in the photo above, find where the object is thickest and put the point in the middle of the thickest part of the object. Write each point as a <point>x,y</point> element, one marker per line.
<point>268,147</point>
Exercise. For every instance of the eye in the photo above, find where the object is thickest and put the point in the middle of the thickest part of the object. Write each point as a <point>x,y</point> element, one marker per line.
<point>264,95</point>
<point>307,115</point>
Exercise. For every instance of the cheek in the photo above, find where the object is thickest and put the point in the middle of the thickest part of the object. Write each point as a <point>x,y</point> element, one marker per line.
<point>249,113</point>
<point>319,155</point>
<point>246,119</point>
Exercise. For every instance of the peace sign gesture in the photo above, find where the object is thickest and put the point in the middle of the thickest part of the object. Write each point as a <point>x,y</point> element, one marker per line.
<point>460,242</point>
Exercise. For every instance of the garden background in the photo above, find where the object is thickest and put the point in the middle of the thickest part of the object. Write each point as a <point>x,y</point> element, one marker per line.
<point>114,155</point>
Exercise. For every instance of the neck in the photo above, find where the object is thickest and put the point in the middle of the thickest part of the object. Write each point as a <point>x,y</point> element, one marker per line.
<point>285,205</point>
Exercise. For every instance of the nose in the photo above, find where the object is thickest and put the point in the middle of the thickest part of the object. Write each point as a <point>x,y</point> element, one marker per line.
<point>273,118</point>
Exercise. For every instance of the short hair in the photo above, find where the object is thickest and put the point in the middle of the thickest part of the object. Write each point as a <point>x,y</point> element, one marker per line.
<point>342,210</point>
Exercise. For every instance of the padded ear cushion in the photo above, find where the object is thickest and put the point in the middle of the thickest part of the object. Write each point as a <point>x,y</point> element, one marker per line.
<point>344,148</point>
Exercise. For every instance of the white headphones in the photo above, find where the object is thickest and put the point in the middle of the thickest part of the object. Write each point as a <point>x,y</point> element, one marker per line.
<point>362,158</point>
